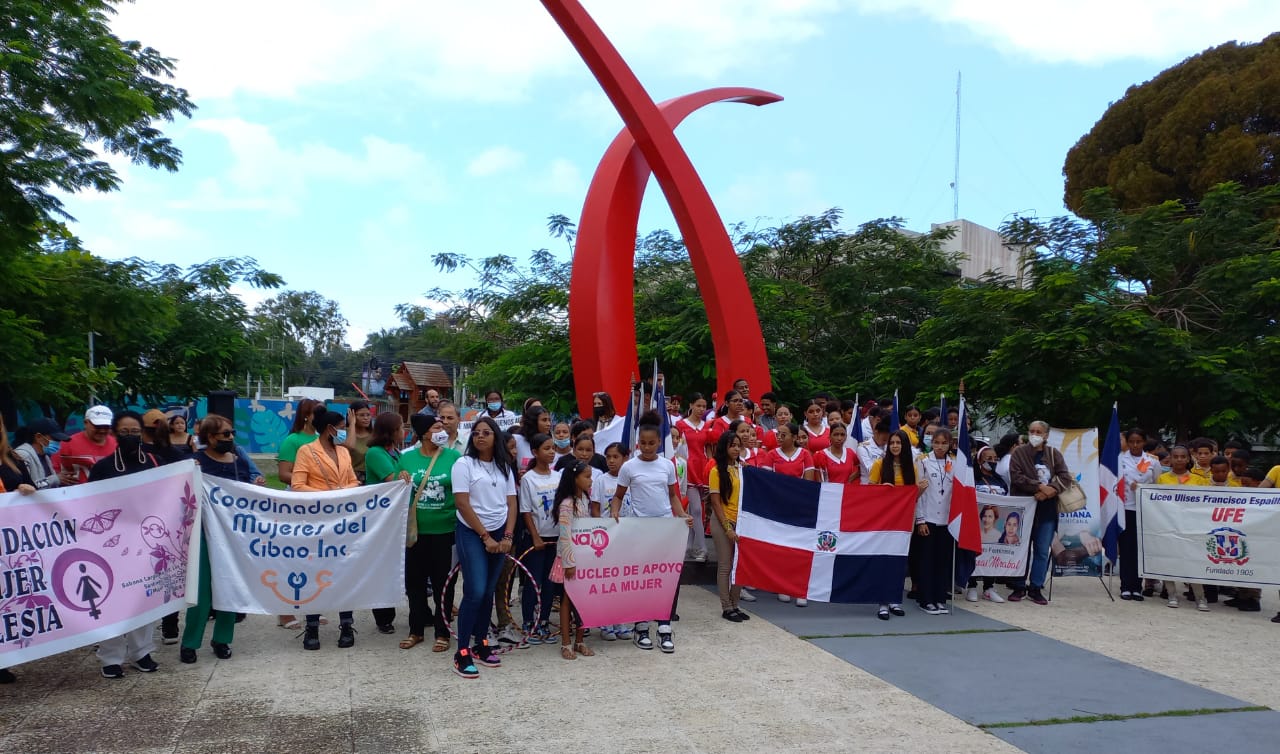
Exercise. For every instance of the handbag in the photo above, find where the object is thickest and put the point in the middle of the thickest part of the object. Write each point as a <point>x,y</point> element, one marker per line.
<point>1072,498</point>
<point>411,531</point>
<point>557,571</point>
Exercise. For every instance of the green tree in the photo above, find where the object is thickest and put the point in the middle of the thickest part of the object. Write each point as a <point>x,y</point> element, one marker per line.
<point>298,330</point>
<point>1213,118</point>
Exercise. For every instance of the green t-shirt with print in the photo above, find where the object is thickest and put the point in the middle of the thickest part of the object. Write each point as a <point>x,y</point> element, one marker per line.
<point>437,513</point>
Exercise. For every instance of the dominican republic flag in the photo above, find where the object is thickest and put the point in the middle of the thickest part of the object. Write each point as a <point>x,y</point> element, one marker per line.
<point>856,429</point>
<point>821,541</point>
<point>1109,479</point>
<point>962,521</point>
<point>894,423</point>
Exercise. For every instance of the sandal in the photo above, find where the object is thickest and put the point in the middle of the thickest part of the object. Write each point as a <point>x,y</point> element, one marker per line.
<point>440,646</point>
<point>566,652</point>
<point>290,624</point>
<point>411,641</point>
<point>584,650</point>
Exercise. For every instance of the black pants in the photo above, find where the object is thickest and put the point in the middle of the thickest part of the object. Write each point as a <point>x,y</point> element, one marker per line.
<point>1129,581</point>
<point>429,560</point>
<point>384,616</point>
<point>933,579</point>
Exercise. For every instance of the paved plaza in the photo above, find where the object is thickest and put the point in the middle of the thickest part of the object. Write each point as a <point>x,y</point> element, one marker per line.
<point>825,678</point>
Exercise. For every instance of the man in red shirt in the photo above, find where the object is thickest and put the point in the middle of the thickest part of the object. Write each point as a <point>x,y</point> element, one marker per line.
<point>86,448</point>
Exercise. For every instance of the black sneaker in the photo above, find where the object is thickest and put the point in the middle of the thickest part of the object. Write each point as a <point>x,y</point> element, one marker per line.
<point>169,629</point>
<point>311,637</point>
<point>386,628</point>
<point>146,664</point>
<point>346,636</point>
<point>1036,596</point>
<point>1273,620</point>
<point>464,665</point>
<point>486,655</point>
<point>221,651</point>
<point>1137,597</point>
<point>1149,592</point>
<point>112,671</point>
<point>1249,606</point>
<point>187,656</point>
<point>741,614</point>
<point>1017,595</point>
<point>642,639</point>
<point>665,642</point>
<point>731,616</point>
<point>7,676</point>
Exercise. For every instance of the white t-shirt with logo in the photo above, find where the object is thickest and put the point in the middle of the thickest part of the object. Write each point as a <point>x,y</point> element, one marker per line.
<point>648,484</point>
<point>537,496</point>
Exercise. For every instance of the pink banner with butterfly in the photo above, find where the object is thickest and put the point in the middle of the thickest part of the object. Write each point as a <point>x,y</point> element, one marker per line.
<point>89,562</point>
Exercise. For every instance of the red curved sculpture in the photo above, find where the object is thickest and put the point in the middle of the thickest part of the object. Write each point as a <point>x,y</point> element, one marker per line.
<point>600,290</point>
<point>735,328</point>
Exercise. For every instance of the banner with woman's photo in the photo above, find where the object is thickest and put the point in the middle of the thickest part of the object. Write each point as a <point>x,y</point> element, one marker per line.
<point>1077,547</point>
<point>1006,534</point>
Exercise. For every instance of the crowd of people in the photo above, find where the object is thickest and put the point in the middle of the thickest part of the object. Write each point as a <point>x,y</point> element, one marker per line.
<point>508,486</point>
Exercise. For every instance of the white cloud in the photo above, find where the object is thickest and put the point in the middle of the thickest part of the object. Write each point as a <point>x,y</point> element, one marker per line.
<point>562,177</point>
<point>487,50</point>
<point>495,160</point>
<point>266,175</point>
<point>1097,31</point>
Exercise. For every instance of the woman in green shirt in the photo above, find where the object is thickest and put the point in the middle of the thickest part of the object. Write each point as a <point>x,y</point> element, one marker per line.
<point>300,434</point>
<point>381,462</point>
<point>430,469</point>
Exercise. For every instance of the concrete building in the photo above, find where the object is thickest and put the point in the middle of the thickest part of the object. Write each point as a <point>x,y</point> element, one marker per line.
<point>984,250</point>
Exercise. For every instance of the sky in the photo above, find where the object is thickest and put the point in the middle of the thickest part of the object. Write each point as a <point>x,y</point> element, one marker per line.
<point>342,144</point>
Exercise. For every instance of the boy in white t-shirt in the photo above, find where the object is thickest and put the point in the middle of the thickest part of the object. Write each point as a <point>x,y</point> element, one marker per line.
<point>651,482</point>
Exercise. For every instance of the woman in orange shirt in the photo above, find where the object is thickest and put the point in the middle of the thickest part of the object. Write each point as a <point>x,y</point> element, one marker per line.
<point>324,465</point>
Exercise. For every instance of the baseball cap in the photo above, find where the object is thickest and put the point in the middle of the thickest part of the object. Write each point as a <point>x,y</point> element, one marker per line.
<point>152,416</point>
<point>48,427</point>
<point>98,416</point>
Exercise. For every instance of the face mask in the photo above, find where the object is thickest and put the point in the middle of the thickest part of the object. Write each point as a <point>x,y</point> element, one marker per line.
<point>990,466</point>
<point>1166,469</point>
<point>129,443</point>
<point>439,438</point>
<point>495,405</point>
<point>224,446</point>
<point>928,442</point>
<point>1036,440</point>
<point>52,447</point>
<point>598,412</point>
<point>341,437</point>
<point>561,442</point>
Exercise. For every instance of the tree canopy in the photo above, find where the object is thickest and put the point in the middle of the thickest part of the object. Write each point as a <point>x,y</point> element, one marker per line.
<point>1213,118</point>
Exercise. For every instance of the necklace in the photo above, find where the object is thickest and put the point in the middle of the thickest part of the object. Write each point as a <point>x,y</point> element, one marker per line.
<point>488,467</point>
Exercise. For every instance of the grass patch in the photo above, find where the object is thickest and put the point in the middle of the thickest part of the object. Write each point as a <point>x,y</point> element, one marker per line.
<point>810,637</point>
<point>1114,718</point>
<point>274,482</point>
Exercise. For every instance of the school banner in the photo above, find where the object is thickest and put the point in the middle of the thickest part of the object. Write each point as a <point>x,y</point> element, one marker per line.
<point>276,551</point>
<point>628,570</point>
<point>89,562</point>
<point>1209,535</point>
<point>1006,534</point>
<point>1077,547</point>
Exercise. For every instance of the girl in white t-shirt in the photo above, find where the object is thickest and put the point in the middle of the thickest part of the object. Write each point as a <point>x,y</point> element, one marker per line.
<point>651,481</point>
<point>538,510</point>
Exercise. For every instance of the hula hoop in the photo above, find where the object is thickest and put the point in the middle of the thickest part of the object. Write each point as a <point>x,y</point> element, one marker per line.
<point>505,586</point>
<point>453,576</point>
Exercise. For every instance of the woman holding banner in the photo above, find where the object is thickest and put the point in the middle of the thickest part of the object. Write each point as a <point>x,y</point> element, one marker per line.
<point>128,458</point>
<point>484,490</point>
<point>219,458</point>
<point>321,466</point>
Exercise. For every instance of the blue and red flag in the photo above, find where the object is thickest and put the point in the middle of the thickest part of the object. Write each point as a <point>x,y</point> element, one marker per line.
<point>822,541</point>
<point>1112,486</point>
<point>962,520</point>
<point>894,423</point>
<point>856,429</point>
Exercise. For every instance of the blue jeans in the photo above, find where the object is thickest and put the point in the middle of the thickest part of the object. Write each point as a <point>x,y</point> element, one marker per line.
<point>539,563</point>
<point>1041,542</point>
<point>480,571</point>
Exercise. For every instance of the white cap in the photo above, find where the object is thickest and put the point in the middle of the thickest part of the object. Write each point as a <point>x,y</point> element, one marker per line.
<point>98,416</point>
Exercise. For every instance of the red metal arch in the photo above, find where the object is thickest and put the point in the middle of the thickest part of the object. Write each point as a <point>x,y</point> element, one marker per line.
<point>609,220</point>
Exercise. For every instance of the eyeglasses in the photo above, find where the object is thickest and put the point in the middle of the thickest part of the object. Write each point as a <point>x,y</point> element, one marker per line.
<point>482,434</point>
<point>226,435</point>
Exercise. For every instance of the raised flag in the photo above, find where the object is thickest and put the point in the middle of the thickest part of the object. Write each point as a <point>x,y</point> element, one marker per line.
<point>942,408</point>
<point>894,424</point>
<point>628,439</point>
<point>962,521</point>
<point>856,429</point>
<point>1111,485</point>
<point>822,541</point>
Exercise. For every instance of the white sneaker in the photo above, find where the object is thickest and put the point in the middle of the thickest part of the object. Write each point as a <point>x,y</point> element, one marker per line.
<point>700,556</point>
<point>783,598</point>
<point>971,594</point>
<point>942,609</point>
<point>510,636</point>
<point>1203,606</point>
<point>746,596</point>
<point>930,608</point>
<point>802,602</point>
<point>1173,602</point>
<point>993,595</point>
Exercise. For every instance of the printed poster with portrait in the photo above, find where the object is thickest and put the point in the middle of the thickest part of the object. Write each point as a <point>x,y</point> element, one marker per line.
<point>1005,526</point>
<point>1077,547</point>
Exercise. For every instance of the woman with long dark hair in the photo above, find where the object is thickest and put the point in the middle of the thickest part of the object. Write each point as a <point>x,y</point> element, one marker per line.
<point>725,484</point>
<point>536,420</point>
<point>895,467</point>
<point>300,434</point>
<point>484,490</point>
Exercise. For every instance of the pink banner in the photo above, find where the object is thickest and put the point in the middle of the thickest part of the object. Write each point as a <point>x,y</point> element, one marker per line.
<point>627,570</point>
<point>93,561</point>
